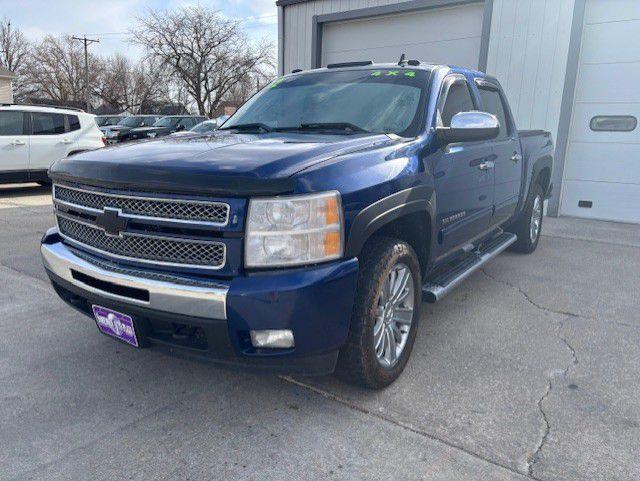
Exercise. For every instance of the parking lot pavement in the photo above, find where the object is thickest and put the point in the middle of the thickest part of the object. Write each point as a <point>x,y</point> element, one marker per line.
<point>529,369</point>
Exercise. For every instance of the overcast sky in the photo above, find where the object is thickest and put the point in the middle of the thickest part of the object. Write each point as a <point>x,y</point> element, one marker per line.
<point>109,20</point>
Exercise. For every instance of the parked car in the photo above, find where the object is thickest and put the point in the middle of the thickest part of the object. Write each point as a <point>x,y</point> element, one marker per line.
<point>121,132</point>
<point>167,125</point>
<point>303,235</point>
<point>107,120</point>
<point>205,127</point>
<point>33,137</point>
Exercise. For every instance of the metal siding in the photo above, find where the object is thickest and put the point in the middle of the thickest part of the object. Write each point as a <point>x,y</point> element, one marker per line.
<point>528,50</point>
<point>6,94</point>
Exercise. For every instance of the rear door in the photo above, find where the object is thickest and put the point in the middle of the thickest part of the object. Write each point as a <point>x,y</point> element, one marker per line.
<point>14,141</point>
<point>506,147</point>
<point>463,183</point>
<point>50,140</point>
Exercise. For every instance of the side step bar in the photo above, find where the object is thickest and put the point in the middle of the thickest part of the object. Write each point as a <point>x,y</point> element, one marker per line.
<point>443,283</point>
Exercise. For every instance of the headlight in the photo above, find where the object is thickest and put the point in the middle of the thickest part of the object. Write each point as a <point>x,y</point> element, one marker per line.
<point>113,135</point>
<point>294,230</point>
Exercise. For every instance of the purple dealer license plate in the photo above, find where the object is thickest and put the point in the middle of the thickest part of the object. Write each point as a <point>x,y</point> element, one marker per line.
<point>115,324</point>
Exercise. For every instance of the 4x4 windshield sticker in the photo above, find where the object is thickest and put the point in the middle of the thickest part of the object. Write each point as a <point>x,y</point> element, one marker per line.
<point>393,73</point>
<point>277,82</point>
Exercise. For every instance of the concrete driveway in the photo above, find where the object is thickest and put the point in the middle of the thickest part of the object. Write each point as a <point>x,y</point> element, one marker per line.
<point>529,370</point>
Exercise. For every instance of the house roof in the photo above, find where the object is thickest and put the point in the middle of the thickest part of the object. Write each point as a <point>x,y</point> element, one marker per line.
<point>6,73</point>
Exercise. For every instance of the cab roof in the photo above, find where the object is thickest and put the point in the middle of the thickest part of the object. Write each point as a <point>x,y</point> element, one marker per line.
<point>369,65</point>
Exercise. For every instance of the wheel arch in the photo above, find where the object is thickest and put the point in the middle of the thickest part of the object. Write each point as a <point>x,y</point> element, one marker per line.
<point>541,173</point>
<point>406,215</point>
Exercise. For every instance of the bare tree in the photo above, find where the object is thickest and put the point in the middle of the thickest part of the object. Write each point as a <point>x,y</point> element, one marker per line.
<point>56,69</point>
<point>14,54</point>
<point>127,86</point>
<point>206,51</point>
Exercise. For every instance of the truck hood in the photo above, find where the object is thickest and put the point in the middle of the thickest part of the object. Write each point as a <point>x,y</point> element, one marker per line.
<point>223,163</point>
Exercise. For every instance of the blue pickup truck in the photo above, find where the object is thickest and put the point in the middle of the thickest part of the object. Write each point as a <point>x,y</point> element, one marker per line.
<point>303,236</point>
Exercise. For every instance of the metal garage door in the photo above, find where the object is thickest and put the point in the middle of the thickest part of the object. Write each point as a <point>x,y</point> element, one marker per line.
<point>602,169</point>
<point>441,35</point>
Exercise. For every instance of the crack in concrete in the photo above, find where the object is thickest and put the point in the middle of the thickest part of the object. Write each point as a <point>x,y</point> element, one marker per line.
<point>528,298</point>
<point>534,457</point>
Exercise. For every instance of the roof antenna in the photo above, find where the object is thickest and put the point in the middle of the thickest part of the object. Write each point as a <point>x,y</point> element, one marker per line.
<point>401,62</point>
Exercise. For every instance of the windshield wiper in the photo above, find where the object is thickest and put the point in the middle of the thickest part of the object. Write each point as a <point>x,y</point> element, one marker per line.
<point>250,126</point>
<point>323,126</point>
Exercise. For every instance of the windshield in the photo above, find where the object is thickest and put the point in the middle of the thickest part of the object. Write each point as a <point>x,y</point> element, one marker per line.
<point>167,122</point>
<point>131,121</point>
<point>376,100</point>
<point>204,127</point>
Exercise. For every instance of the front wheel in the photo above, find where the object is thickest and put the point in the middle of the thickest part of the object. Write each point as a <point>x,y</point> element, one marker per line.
<point>385,314</point>
<point>529,225</point>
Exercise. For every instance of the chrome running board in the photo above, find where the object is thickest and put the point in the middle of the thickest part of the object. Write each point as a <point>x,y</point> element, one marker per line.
<point>444,282</point>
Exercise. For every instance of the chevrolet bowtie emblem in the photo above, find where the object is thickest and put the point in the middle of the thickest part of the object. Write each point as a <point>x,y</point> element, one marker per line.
<point>111,222</point>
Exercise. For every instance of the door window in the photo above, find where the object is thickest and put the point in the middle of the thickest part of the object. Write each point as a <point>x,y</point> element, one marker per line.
<point>187,123</point>
<point>613,123</point>
<point>11,123</point>
<point>492,102</point>
<point>458,99</point>
<point>45,123</point>
<point>73,122</point>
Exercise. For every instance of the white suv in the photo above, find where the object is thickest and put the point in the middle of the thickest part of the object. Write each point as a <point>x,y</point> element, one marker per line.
<point>33,137</point>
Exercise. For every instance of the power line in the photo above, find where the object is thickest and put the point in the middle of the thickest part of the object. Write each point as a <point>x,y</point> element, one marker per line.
<point>86,42</point>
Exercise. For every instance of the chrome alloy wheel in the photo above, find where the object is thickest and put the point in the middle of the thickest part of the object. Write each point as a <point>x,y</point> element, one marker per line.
<point>393,314</point>
<point>536,219</point>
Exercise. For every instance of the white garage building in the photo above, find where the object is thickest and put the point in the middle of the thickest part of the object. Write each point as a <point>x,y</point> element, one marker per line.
<point>568,66</point>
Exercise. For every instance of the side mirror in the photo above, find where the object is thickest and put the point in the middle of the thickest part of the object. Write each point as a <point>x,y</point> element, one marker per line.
<point>469,127</point>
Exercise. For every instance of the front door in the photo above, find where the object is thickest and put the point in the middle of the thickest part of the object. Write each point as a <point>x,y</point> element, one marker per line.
<point>508,157</point>
<point>14,144</point>
<point>464,177</point>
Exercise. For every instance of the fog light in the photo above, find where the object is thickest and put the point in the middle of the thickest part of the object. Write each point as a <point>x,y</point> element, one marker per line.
<point>273,338</point>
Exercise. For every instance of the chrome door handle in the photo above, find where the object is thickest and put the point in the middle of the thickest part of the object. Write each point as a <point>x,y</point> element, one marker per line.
<point>516,157</point>
<point>486,165</point>
<point>66,141</point>
<point>18,142</point>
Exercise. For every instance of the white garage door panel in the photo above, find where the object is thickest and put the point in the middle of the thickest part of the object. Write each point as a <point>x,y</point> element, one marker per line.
<point>604,163</point>
<point>618,202</point>
<point>604,167</point>
<point>610,42</point>
<point>439,52</point>
<point>613,83</point>
<point>583,113</point>
<point>450,35</point>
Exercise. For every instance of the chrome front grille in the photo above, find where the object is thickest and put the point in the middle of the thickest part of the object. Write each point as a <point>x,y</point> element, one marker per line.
<point>216,213</point>
<point>142,229</point>
<point>142,247</point>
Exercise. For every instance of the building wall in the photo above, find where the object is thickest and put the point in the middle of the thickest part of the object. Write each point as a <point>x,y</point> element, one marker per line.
<point>528,49</point>
<point>6,93</point>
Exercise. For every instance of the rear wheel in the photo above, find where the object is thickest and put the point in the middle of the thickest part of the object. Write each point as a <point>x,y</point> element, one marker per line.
<point>385,315</point>
<point>529,225</point>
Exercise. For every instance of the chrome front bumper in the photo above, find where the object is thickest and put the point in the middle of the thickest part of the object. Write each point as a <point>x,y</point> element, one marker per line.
<point>191,300</point>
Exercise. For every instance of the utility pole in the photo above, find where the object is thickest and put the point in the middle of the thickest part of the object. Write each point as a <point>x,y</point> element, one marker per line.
<point>86,42</point>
